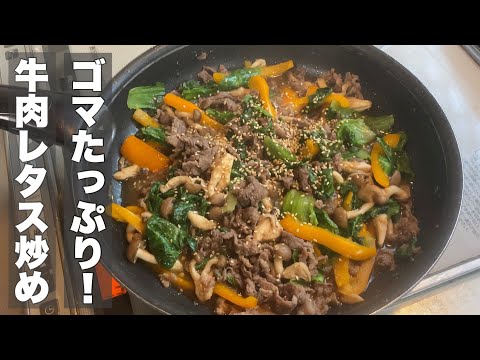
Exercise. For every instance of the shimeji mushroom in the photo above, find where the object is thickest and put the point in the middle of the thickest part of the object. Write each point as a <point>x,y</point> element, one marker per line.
<point>205,281</point>
<point>381,225</point>
<point>373,193</point>
<point>355,166</point>
<point>268,228</point>
<point>341,216</point>
<point>136,250</point>
<point>282,253</point>
<point>190,184</point>
<point>220,176</point>
<point>298,270</point>
<point>359,105</point>
<point>200,221</point>
<point>338,177</point>
<point>126,173</point>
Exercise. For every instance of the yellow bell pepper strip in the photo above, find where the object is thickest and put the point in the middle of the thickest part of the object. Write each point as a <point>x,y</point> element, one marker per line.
<point>336,243</point>
<point>290,98</point>
<point>231,295</point>
<point>379,174</point>
<point>136,151</point>
<point>220,289</point>
<point>347,202</point>
<point>119,213</point>
<point>348,285</point>
<point>260,84</point>
<point>310,150</point>
<point>240,77</point>
<point>144,119</point>
<point>137,210</point>
<point>341,272</point>
<point>186,106</point>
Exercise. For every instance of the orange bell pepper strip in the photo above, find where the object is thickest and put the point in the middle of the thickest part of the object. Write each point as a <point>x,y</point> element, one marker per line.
<point>137,210</point>
<point>231,295</point>
<point>119,213</point>
<point>334,242</point>
<point>260,84</point>
<point>136,151</point>
<point>276,70</point>
<point>310,150</point>
<point>379,174</point>
<point>220,289</point>
<point>186,106</point>
<point>348,285</point>
<point>392,140</point>
<point>144,119</point>
<point>265,71</point>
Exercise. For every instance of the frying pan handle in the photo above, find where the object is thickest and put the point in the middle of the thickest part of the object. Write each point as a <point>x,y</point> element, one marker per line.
<point>60,126</point>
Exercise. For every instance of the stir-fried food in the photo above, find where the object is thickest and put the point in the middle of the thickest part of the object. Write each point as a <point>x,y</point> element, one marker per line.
<point>264,190</point>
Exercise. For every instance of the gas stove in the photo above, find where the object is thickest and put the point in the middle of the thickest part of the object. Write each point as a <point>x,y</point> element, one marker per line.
<point>447,71</point>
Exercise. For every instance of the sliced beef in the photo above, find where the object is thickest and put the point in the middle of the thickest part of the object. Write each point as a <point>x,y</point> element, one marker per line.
<point>206,74</point>
<point>173,135</point>
<point>252,192</point>
<point>385,260</point>
<point>405,228</point>
<point>222,100</point>
<point>286,182</point>
<point>199,163</point>
<point>165,115</point>
<point>243,220</point>
<point>212,243</point>
<point>305,249</point>
<point>301,175</point>
<point>350,84</point>
<point>296,80</point>
<point>280,131</point>
<point>195,152</point>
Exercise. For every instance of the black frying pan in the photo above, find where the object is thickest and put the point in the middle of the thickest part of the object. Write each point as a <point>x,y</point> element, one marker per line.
<point>393,90</point>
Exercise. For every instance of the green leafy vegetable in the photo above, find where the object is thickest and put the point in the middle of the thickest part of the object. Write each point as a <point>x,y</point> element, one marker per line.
<point>295,255</point>
<point>357,153</point>
<point>354,226</point>
<point>336,111</point>
<point>253,108</point>
<point>321,182</point>
<point>318,99</point>
<point>230,204</point>
<point>165,240</point>
<point>151,133</point>
<point>192,90</point>
<point>398,158</point>
<point>222,117</point>
<point>407,250</point>
<point>328,148</point>
<point>202,264</point>
<point>319,278</point>
<point>154,198</point>
<point>345,188</point>
<point>403,165</point>
<point>354,132</point>
<point>385,164</point>
<point>146,97</point>
<point>237,171</point>
<point>186,202</point>
<point>238,78</point>
<point>231,281</point>
<point>276,151</point>
<point>325,222</point>
<point>391,208</point>
<point>300,205</point>
<point>379,124</point>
